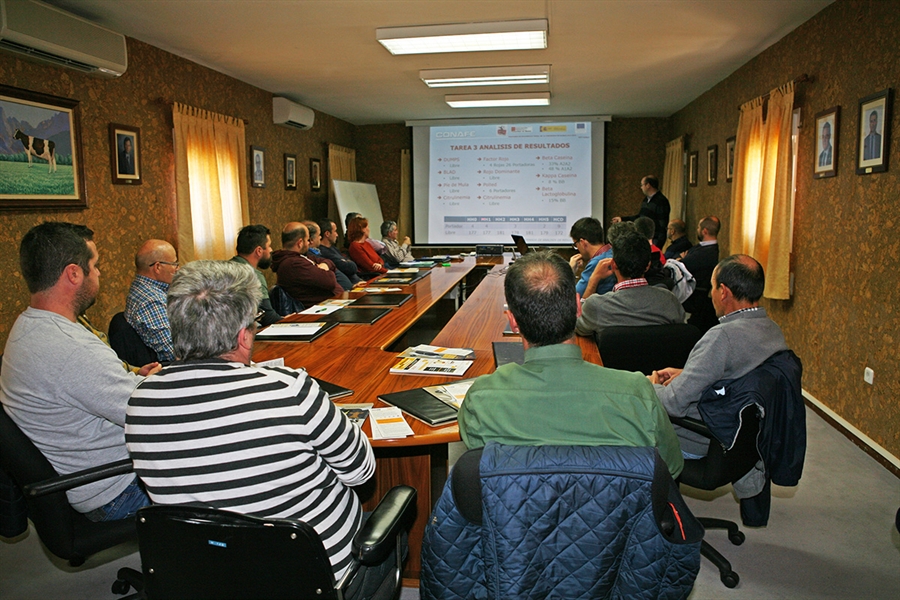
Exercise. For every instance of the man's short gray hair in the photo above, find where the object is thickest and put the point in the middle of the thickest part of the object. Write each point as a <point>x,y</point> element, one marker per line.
<point>209,302</point>
<point>386,227</point>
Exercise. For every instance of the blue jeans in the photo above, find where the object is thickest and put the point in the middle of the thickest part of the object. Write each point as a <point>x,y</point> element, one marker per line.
<point>122,506</point>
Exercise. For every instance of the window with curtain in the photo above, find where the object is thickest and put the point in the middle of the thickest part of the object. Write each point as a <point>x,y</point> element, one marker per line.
<point>210,183</point>
<point>341,166</point>
<point>761,194</point>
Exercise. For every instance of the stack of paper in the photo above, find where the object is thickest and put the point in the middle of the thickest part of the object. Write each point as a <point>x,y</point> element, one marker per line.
<point>388,423</point>
<point>398,271</point>
<point>426,351</point>
<point>431,366</point>
<point>451,393</point>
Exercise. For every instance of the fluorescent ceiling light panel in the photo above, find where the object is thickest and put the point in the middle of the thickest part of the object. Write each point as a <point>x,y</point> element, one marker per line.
<point>495,100</point>
<point>486,76</point>
<point>465,37</point>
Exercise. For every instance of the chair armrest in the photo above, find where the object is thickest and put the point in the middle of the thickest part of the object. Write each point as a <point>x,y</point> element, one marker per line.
<point>377,538</point>
<point>691,424</point>
<point>73,480</point>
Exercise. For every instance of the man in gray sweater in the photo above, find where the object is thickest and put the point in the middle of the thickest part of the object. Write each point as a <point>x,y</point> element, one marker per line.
<point>65,388</point>
<point>744,338</point>
<point>632,302</point>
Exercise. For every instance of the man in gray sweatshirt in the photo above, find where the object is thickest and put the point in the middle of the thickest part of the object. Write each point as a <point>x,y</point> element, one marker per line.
<point>744,338</point>
<point>65,388</point>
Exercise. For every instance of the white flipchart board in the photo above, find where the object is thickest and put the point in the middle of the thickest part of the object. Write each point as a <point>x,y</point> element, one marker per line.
<point>355,196</point>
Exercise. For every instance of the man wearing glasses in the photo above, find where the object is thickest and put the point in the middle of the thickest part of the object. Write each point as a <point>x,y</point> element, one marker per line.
<point>145,308</point>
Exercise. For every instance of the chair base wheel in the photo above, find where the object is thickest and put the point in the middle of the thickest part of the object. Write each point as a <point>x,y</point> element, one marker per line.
<point>730,579</point>
<point>120,587</point>
<point>737,538</point>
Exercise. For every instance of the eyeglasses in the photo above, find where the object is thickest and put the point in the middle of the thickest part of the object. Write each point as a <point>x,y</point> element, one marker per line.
<point>171,264</point>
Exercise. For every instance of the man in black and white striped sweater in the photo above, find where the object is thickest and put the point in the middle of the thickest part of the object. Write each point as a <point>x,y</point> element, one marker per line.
<point>262,441</point>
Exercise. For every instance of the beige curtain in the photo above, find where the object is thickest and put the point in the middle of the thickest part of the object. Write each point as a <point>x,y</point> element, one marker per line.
<point>673,178</point>
<point>404,219</point>
<point>210,183</point>
<point>761,191</point>
<point>341,166</point>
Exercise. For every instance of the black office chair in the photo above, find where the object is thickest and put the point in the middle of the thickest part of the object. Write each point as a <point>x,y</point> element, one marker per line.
<point>647,348</point>
<point>283,303</point>
<point>195,552</point>
<point>128,344</point>
<point>67,533</point>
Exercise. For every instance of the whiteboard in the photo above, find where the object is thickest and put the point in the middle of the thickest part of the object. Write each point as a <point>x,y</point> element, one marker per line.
<point>355,196</point>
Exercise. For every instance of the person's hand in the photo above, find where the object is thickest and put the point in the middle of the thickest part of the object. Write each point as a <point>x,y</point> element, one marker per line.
<point>150,369</point>
<point>406,241</point>
<point>616,220</point>
<point>377,266</point>
<point>603,270</point>
<point>665,376</point>
<point>576,261</point>
<point>682,255</point>
<point>323,266</point>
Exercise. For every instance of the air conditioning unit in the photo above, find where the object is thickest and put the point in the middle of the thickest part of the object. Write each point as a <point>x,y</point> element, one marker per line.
<point>291,114</point>
<point>48,34</point>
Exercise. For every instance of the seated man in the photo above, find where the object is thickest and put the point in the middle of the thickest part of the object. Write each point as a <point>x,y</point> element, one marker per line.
<point>254,248</point>
<point>273,446</point>
<point>308,280</point>
<point>397,251</point>
<point>64,387</point>
<point>744,338</point>
<point>315,240</point>
<point>632,302</point>
<point>556,397</point>
<point>587,236</point>
<point>700,260</point>
<point>678,240</point>
<point>328,248</point>
<point>145,307</point>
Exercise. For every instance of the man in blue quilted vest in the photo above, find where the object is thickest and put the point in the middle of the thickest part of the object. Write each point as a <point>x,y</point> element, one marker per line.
<point>555,397</point>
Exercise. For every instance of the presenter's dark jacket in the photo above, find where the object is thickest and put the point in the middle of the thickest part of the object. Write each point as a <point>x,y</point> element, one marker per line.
<point>657,208</point>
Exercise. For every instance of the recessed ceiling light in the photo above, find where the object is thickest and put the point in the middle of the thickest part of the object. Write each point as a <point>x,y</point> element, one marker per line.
<point>495,100</point>
<point>518,75</point>
<point>465,37</point>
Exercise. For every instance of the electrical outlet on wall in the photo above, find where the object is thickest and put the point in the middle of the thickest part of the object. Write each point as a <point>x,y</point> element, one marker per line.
<point>869,376</point>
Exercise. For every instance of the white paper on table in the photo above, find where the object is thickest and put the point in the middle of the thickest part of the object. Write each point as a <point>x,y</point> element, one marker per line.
<point>275,362</point>
<point>320,309</point>
<point>291,329</point>
<point>404,270</point>
<point>377,290</point>
<point>388,423</point>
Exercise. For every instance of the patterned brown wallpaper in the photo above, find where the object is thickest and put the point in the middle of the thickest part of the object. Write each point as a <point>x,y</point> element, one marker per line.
<point>844,312</point>
<point>121,216</point>
<point>378,161</point>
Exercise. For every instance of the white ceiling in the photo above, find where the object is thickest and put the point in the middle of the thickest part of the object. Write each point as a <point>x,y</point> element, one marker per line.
<point>625,58</point>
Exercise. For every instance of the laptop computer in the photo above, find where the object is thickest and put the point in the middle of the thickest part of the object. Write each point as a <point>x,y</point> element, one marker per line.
<point>521,244</point>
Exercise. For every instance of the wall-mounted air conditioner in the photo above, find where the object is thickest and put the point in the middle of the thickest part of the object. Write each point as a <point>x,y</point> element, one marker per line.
<point>48,34</point>
<point>291,114</point>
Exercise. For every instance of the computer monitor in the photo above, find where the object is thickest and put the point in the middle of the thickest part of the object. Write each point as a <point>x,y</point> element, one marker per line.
<point>521,244</point>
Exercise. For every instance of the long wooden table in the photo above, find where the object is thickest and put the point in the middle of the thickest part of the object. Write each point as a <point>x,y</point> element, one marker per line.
<point>354,356</point>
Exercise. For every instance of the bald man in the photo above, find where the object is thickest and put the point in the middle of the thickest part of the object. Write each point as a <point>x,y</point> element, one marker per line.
<point>155,264</point>
<point>307,278</point>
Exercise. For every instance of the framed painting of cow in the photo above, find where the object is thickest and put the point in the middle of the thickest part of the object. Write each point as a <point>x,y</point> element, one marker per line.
<point>125,154</point>
<point>40,152</point>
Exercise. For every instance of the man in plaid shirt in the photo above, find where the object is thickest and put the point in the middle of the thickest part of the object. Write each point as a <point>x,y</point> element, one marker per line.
<point>145,308</point>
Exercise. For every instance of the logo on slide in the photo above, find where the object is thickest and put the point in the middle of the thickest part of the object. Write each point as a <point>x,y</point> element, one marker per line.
<point>454,134</point>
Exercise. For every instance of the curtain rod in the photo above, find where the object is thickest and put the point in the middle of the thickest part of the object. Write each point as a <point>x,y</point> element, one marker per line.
<point>165,102</point>
<point>801,79</point>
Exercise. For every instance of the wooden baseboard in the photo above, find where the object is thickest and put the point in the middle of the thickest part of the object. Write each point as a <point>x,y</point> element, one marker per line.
<point>866,444</point>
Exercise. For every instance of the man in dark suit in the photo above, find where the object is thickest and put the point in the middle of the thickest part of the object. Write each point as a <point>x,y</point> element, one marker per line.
<point>654,206</point>
<point>826,153</point>
<point>677,234</point>
<point>872,143</point>
<point>701,260</point>
<point>126,158</point>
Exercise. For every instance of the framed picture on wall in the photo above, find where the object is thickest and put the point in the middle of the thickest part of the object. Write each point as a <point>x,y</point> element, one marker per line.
<point>693,168</point>
<point>712,164</point>
<point>826,155</point>
<point>290,171</point>
<point>729,159</point>
<point>315,174</point>
<point>40,152</point>
<point>257,167</point>
<point>873,133</point>
<point>124,154</point>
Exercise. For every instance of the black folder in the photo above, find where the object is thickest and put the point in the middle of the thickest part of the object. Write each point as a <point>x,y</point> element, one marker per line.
<point>508,352</point>
<point>332,389</point>
<point>382,299</point>
<point>348,314</point>
<point>421,405</point>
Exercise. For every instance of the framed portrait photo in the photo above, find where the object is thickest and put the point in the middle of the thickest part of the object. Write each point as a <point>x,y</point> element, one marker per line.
<point>729,158</point>
<point>290,171</point>
<point>826,155</point>
<point>693,168</point>
<point>124,154</point>
<point>315,174</point>
<point>873,134</point>
<point>257,167</point>
<point>40,152</point>
<point>712,164</point>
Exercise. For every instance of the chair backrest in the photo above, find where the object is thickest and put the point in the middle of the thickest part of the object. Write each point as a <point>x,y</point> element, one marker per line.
<point>128,344</point>
<point>193,552</point>
<point>67,533</point>
<point>720,466</point>
<point>647,348</point>
<point>560,522</point>
<point>283,303</point>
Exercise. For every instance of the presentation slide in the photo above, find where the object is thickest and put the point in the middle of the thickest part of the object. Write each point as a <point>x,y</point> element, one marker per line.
<point>486,182</point>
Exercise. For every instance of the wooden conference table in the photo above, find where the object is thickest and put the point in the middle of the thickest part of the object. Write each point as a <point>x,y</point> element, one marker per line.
<point>355,356</point>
